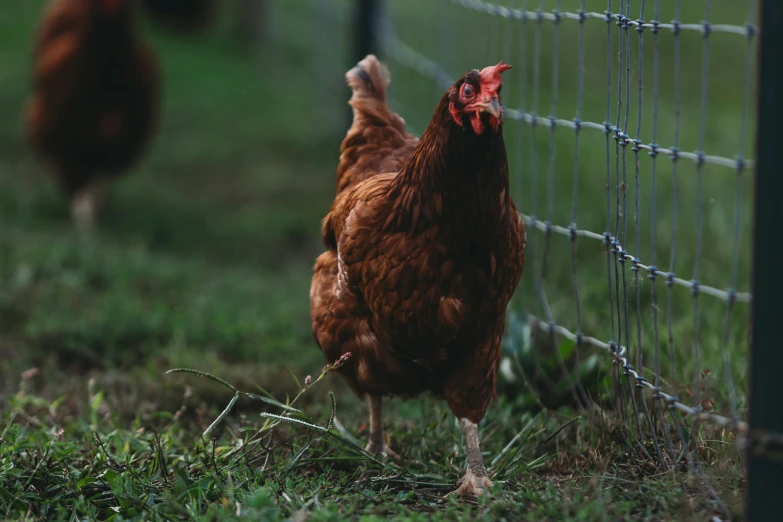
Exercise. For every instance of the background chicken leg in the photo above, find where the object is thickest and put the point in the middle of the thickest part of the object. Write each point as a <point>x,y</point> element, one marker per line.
<point>85,204</point>
<point>377,443</point>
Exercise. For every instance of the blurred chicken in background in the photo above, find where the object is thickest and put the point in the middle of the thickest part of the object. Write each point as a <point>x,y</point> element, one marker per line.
<point>95,98</point>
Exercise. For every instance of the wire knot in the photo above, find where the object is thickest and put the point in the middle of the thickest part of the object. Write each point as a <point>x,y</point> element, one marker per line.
<point>579,338</point>
<point>674,154</point>
<point>582,16</point>
<point>577,124</point>
<point>635,262</point>
<point>732,294</point>
<point>655,29</point>
<point>539,16</point>
<point>608,127</point>
<point>608,16</point>
<point>613,347</point>
<point>670,279</point>
<point>653,272</point>
<point>676,28</point>
<point>706,29</point>
<point>623,254</point>
<point>694,287</point>
<point>653,149</point>
<point>740,164</point>
<point>607,238</point>
<point>558,16</point>
<point>639,25</point>
<point>572,231</point>
<point>699,158</point>
<point>636,143</point>
<point>750,31</point>
<point>552,122</point>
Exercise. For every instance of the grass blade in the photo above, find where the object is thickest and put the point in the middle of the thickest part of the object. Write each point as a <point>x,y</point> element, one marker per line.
<point>333,412</point>
<point>223,414</point>
<point>291,420</point>
<point>273,402</point>
<point>205,375</point>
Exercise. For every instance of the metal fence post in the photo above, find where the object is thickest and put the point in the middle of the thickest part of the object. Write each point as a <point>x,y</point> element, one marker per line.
<point>366,21</point>
<point>765,475</point>
<point>367,17</point>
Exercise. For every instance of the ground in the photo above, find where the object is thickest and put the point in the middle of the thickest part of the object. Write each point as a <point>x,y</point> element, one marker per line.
<point>202,260</point>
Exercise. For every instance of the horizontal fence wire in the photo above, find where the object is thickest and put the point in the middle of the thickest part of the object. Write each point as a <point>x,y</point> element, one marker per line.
<point>412,58</point>
<point>607,16</point>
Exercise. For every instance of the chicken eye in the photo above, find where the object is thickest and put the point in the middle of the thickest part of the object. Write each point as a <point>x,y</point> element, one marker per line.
<point>467,90</point>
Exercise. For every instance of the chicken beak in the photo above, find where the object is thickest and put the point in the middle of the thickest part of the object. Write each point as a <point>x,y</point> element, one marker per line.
<point>492,107</point>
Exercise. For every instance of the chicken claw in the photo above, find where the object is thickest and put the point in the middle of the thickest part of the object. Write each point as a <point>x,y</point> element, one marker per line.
<point>471,485</point>
<point>374,448</point>
<point>476,480</point>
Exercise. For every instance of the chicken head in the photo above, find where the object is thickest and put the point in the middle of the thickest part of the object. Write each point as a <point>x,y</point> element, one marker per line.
<point>478,98</point>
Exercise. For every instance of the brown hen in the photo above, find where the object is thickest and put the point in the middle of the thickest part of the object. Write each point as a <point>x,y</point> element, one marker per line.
<point>95,96</point>
<point>421,263</point>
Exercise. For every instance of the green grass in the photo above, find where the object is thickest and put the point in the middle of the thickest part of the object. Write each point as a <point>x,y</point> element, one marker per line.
<point>202,260</point>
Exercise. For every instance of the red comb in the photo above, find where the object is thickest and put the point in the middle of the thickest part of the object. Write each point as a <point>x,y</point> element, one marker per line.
<point>490,76</point>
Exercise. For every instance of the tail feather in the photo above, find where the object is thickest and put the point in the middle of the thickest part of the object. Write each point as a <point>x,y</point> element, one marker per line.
<point>377,141</point>
<point>369,79</point>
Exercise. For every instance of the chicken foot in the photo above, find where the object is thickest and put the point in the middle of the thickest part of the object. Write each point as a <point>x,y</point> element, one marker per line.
<point>377,443</point>
<point>476,480</point>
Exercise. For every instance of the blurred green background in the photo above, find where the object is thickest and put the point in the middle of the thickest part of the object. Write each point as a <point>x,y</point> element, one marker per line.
<point>203,255</point>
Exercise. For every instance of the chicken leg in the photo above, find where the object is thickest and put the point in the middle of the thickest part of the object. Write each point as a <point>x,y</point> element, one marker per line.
<point>377,443</point>
<point>83,209</point>
<point>85,204</point>
<point>476,480</point>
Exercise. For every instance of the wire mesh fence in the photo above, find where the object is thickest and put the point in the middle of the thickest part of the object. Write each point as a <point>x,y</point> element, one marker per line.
<point>628,137</point>
<point>629,129</point>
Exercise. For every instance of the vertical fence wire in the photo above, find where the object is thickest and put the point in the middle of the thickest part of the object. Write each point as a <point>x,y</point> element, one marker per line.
<point>740,172</point>
<point>582,397</point>
<point>615,336</point>
<point>654,229</point>
<point>538,272</point>
<point>674,195</point>
<point>637,213</point>
<point>621,137</point>
<point>705,71</point>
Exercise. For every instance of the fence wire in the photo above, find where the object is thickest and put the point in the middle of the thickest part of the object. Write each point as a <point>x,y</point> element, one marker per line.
<point>628,82</point>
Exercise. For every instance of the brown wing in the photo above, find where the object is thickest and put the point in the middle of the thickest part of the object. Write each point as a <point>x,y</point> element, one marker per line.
<point>341,318</point>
